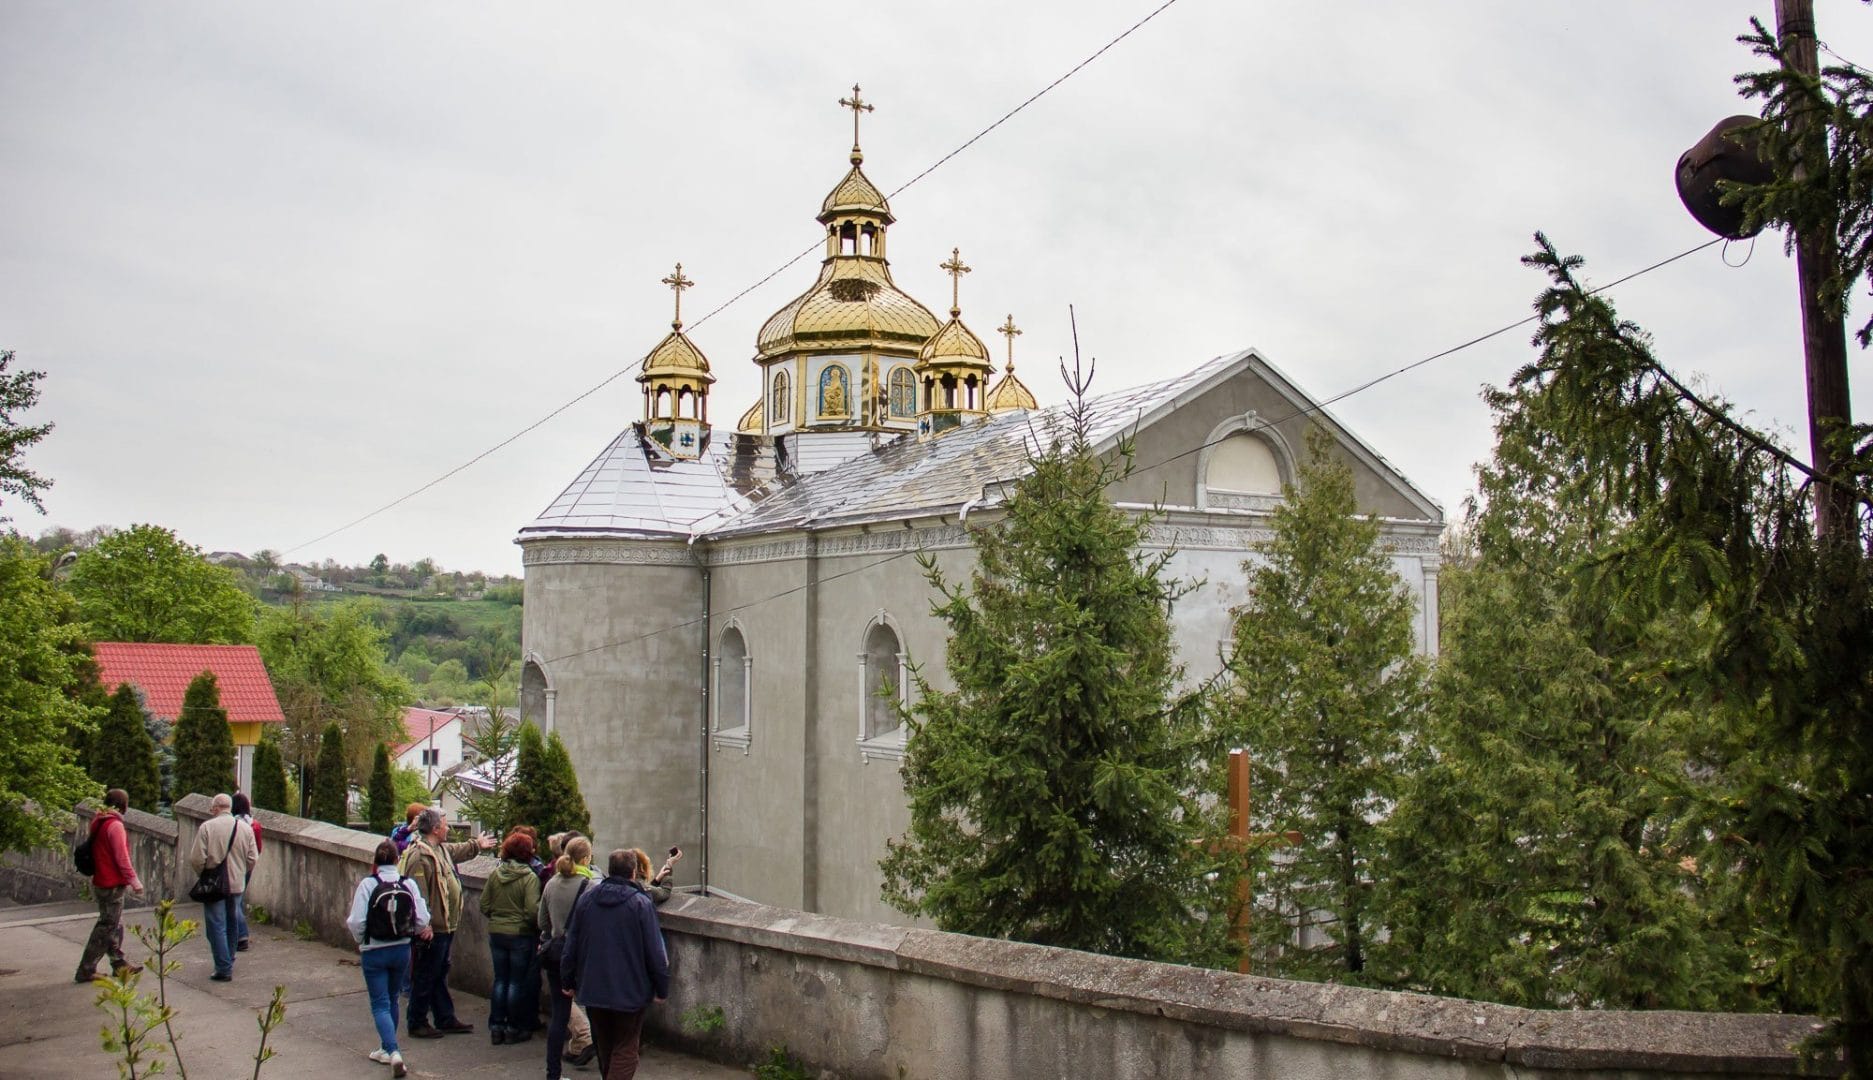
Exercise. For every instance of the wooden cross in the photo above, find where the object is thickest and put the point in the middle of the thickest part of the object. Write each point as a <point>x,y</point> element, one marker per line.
<point>1009,330</point>
<point>956,271</point>
<point>677,283</point>
<point>1240,839</point>
<point>857,105</point>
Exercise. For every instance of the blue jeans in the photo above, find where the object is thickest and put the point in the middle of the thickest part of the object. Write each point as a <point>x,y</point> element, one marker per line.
<point>429,981</point>
<point>386,969</point>
<point>511,954</point>
<point>561,1007</point>
<point>240,918</point>
<point>218,924</point>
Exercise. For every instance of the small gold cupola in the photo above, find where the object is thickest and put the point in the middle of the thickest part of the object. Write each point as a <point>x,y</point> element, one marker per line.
<point>1010,393</point>
<point>676,385</point>
<point>953,368</point>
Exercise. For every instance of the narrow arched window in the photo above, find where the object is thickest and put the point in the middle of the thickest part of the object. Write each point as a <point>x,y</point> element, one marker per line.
<point>777,410</point>
<point>734,671</point>
<point>881,679</point>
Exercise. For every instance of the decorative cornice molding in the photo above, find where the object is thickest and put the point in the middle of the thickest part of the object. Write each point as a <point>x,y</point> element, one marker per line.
<point>1247,539</point>
<point>607,553</point>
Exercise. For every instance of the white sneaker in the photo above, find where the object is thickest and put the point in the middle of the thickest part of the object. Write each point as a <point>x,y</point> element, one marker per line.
<point>396,1064</point>
<point>381,1056</point>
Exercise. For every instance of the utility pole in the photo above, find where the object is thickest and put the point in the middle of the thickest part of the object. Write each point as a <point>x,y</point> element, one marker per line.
<point>1817,257</point>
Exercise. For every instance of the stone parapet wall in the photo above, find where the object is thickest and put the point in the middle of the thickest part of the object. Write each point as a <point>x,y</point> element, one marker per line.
<point>46,874</point>
<point>863,1000</point>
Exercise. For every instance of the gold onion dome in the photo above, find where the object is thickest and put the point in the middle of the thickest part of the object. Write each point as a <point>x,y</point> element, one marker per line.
<point>1010,393</point>
<point>676,356</point>
<point>955,344</point>
<point>856,194</point>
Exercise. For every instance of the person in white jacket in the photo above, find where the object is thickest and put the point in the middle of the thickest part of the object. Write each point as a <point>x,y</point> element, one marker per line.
<point>386,958</point>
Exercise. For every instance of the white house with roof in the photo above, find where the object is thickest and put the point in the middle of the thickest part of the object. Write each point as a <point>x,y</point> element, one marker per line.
<point>713,616</point>
<point>432,743</point>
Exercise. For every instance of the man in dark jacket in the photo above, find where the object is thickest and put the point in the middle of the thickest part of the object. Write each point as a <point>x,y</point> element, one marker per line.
<point>113,877</point>
<point>614,964</point>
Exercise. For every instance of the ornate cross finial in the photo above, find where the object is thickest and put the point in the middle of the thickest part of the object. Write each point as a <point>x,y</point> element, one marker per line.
<point>677,283</point>
<point>956,271</point>
<point>1010,331</point>
<point>857,105</point>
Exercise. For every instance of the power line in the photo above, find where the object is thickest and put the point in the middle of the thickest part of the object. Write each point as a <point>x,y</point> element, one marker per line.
<point>771,275</point>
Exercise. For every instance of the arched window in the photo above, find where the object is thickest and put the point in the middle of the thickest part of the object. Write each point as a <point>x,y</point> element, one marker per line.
<point>1244,464</point>
<point>834,391</point>
<point>734,674</point>
<point>536,698</point>
<point>777,410</point>
<point>883,672</point>
<point>903,391</point>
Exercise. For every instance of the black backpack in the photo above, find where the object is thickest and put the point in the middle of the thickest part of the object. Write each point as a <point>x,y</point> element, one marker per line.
<point>390,912</point>
<point>82,859</point>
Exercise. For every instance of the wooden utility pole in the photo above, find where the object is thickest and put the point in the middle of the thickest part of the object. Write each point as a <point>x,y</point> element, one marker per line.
<point>1824,336</point>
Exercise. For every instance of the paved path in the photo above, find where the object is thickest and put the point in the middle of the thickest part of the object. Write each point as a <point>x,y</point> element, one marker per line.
<point>49,1024</point>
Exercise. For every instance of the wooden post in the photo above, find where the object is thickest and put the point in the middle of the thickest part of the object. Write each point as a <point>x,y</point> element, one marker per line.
<point>1239,838</point>
<point>1824,338</point>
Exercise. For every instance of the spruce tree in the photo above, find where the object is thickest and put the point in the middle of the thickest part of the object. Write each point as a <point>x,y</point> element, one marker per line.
<point>122,754</point>
<point>329,783</point>
<point>382,811</point>
<point>1324,687</point>
<point>533,799</point>
<point>1054,791</point>
<point>204,744</point>
<point>569,811</point>
<point>270,778</point>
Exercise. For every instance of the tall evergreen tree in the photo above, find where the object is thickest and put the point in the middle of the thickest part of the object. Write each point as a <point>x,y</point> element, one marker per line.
<point>382,809</point>
<point>1325,685</point>
<point>270,778</point>
<point>533,799</point>
<point>1054,791</point>
<point>569,811</point>
<point>122,754</point>
<point>330,782</point>
<point>204,743</point>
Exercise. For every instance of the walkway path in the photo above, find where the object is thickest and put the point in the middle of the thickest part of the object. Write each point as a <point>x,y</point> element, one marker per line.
<point>49,1024</point>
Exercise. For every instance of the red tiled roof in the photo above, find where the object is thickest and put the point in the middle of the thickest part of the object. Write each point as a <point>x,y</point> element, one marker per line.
<point>419,725</point>
<point>163,673</point>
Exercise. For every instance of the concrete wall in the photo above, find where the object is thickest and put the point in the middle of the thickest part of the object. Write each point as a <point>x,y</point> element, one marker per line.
<point>46,874</point>
<point>906,1003</point>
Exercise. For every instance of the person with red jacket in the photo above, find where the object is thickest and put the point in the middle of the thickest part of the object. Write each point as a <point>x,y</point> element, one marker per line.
<point>113,877</point>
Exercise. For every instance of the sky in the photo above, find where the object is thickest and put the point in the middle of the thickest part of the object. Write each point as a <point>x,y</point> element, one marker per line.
<point>283,264</point>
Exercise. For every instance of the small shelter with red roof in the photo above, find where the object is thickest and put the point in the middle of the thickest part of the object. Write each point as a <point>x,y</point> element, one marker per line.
<point>162,673</point>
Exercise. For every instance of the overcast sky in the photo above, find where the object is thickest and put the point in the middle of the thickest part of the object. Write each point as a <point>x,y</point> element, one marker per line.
<point>284,263</point>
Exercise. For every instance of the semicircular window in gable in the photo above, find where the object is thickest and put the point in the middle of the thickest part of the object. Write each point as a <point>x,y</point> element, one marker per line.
<point>1244,464</point>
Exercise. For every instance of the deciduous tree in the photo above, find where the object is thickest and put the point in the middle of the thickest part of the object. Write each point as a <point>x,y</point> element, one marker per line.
<point>145,584</point>
<point>41,662</point>
<point>19,391</point>
<point>329,666</point>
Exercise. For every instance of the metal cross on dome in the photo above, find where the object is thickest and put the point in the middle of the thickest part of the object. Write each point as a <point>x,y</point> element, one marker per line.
<point>956,270</point>
<point>857,105</point>
<point>1010,331</point>
<point>677,283</point>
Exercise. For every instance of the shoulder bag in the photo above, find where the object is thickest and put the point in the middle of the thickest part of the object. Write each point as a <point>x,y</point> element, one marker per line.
<point>553,947</point>
<point>211,885</point>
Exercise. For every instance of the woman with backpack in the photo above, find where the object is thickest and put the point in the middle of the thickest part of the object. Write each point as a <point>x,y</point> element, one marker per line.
<point>572,874</point>
<point>386,912</point>
<point>511,901</point>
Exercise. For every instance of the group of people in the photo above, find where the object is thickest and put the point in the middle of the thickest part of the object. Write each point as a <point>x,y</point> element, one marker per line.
<point>595,939</point>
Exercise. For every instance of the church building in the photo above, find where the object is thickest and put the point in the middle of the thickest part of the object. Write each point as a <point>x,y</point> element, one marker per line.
<point>715,618</point>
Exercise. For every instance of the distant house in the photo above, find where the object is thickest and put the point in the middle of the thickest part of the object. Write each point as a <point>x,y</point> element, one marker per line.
<point>222,558</point>
<point>432,742</point>
<point>476,777</point>
<point>310,582</point>
<point>162,673</point>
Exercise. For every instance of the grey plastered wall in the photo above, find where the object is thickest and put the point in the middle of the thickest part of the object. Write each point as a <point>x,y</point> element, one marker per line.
<point>620,645</point>
<point>907,1004</point>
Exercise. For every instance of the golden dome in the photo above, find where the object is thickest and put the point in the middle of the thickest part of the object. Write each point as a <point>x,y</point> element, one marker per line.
<point>676,355</point>
<point>750,421</point>
<point>855,195</point>
<point>955,343</point>
<point>1010,394</point>
<point>853,306</point>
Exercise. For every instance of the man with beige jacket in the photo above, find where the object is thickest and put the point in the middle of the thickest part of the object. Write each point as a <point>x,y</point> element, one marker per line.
<point>224,838</point>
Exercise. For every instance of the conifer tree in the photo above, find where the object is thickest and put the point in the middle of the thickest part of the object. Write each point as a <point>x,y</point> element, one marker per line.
<point>532,799</point>
<point>270,778</point>
<point>122,754</point>
<point>569,810</point>
<point>382,811</point>
<point>204,744</point>
<point>329,783</point>
<point>1324,687</point>
<point>1054,791</point>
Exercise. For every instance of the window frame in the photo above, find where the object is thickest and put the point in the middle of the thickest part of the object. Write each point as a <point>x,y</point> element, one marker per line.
<point>740,735</point>
<point>887,745</point>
